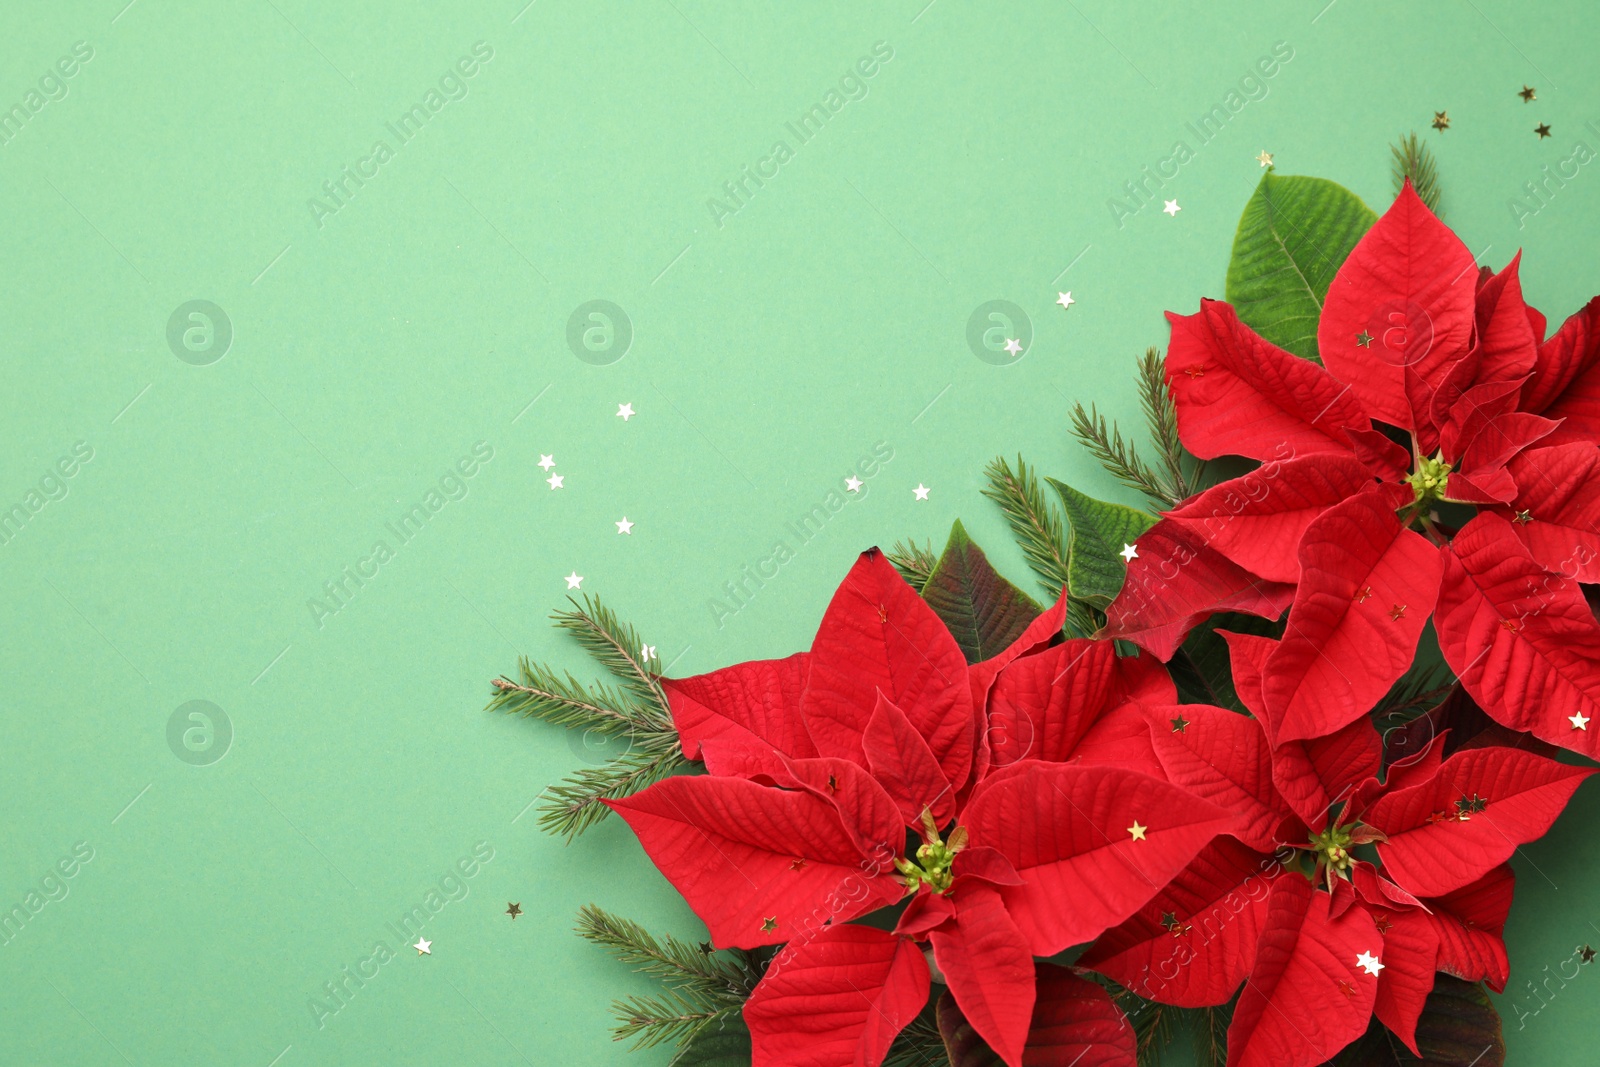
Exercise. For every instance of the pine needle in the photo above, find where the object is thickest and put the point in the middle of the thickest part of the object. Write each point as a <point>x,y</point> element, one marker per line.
<point>919,1044</point>
<point>1120,457</point>
<point>617,648</point>
<point>563,701</point>
<point>1034,521</point>
<point>678,964</point>
<point>649,1021</point>
<point>914,562</point>
<point>1161,415</point>
<point>701,986</point>
<point>1414,159</point>
<point>573,804</point>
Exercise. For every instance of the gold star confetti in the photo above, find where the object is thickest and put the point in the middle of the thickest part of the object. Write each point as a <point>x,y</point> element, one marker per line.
<point>513,910</point>
<point>423,946</point>
<point>1543,130</point>
<point>1365,592</point>
<point>1180,724</point>
<point>1383,926</point>
<point>1441,120</point>
<point>1579,721</point>
<point>1265,158</point>
<point>1587,953</point>
<point>1195,372</point>
<point>706,949</point>
<point>1528,95</point>
<point>1364,339</point>
<point>1346,988</point>
<point>797,864</point>
<point>1137,831</point>
<point>769,924</point>
<point>1397,612</point>
<point>1523,518</point>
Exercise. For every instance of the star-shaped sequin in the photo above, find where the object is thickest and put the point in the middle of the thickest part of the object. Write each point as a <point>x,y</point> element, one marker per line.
<point>1172,208</point>
<point>1364,339</point>
<point>1369,963</point>
<point>1528,95</point>
<point>1136,831</point>
<point>1522,518</point>
<point>1129,553</point>
<point>513,910</point>
<point>1180,724</point>
<point>1579,721</point>
<point>1397,612</point>
<point>769,924</point>
<point>1441,121</point>
<point>1543,130</point>
<point>1265,158</point>
<point>1065,300</point>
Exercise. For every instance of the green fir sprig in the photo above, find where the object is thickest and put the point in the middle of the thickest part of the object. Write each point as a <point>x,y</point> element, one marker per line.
<point>1414,159</point>
<point>914,562</point>
<point>703,987</point>
<point>632,713</point>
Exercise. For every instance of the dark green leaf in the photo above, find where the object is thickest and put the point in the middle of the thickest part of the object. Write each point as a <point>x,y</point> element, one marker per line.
<point>721,1042</point>
<point>983,610</point>
<point>1459,1028</point>
<point>1293,235</point>
<point>1414,159</point>
<point>1203,670</point>
<point>961,1042</point>
<point>1097,534</point>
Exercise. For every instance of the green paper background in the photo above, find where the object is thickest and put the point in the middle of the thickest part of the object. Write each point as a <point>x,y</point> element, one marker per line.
<point>769,354</point>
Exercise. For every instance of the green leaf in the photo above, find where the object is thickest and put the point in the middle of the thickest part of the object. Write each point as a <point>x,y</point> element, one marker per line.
<point>1097,533</point>
<point>720,1042</point>
<point>1203,669</point>
<point>1459,1028</point>
<point>913,561</point>
<point>983,610</point>
<point>961,1042</point>
<point>1293,235</point>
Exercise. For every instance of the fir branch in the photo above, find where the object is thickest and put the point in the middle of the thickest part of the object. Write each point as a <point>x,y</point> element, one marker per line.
<point>1161,415</point>
<point>1209,1030</point>
<point>681,966</point>
<point>1414,159</point>
<point>914,562</point>
<point>1121,458</point>
<point>919,1044</point>
<point>563,701</point>
<point>1034,521</point>
<point>573,805</point>
<point>618,648</point>
<point>650,1021</point>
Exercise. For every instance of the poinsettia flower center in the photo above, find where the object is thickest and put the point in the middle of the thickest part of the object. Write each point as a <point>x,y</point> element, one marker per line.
<point>930,865</point>
<point>1428,481</point>
<point>1332,848</point>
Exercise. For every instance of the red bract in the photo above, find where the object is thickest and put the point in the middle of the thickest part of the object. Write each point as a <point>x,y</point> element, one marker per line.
<point>1062,826</point>
<point>1322,939</point>
<point>1438,388</point>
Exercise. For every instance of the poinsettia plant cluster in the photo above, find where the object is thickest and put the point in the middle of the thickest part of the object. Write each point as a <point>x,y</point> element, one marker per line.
<point>962,810</point>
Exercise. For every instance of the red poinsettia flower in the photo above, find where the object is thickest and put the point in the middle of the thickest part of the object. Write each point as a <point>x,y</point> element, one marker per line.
<point>1030,780</point>
<point>1324,938</point>
<point>1438,388</point>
